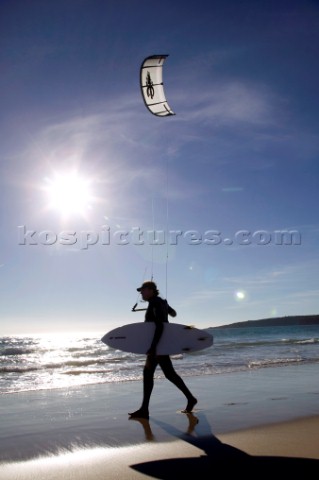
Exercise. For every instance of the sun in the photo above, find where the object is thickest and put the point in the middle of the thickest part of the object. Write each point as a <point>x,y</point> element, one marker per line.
<point>68,193</point>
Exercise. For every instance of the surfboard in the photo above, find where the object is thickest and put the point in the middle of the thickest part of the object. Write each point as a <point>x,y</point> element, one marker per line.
<point>176,338</point>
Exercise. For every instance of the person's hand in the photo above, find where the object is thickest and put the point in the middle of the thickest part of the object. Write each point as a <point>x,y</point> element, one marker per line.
<point>151,351</point>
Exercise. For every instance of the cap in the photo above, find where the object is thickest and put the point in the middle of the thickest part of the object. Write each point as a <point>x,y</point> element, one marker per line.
<point>148,284</point>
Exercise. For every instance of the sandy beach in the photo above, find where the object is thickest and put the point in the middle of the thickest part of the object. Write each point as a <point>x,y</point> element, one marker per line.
<point>291,446</point>
<point>262,420</point>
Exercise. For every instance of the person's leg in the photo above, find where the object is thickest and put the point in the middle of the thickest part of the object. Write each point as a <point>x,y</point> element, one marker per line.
<point>148,384</point>
<point>169,372</point>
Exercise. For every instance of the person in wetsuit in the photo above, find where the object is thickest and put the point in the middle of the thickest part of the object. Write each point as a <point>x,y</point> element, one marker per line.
<point>157,312</point>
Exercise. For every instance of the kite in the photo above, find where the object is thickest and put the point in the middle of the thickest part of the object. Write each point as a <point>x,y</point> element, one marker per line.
<point>152,86</point>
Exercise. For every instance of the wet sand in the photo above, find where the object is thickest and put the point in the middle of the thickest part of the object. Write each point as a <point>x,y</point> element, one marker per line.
<point>251,423</point>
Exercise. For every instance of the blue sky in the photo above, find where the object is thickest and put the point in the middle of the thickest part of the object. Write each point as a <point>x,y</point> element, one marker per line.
<point>237,163</point>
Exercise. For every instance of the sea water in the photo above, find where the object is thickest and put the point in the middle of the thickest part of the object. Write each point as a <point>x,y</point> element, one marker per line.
<point>44,362</point>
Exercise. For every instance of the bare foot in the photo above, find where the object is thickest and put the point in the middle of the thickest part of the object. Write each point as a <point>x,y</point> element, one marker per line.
<point>140,414</point>
<point>190,405</point>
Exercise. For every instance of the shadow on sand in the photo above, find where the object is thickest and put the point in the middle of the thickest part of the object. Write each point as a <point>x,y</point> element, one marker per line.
<point>220,458</point>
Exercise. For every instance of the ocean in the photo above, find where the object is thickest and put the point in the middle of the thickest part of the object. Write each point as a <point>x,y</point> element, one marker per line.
<point>45,362</point>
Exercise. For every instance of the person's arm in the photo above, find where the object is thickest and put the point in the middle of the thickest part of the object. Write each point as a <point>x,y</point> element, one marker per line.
<point>171,311</point>
<point>159,327</point>
<point>160,318</point>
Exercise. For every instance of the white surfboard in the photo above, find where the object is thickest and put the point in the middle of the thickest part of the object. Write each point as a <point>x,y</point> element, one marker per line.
<point>176,338</point>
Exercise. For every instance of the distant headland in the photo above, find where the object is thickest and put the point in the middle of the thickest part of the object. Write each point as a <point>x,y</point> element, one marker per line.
<point>276,322</point>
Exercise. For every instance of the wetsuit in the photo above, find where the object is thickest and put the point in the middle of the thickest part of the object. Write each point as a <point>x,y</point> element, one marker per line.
<point>157,312</point>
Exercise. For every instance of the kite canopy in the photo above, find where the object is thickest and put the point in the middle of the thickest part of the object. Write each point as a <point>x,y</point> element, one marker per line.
<point>152,86</point>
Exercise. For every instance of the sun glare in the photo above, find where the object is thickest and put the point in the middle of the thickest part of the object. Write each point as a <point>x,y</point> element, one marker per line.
<point>240,295</point>
<point>68,193</point>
